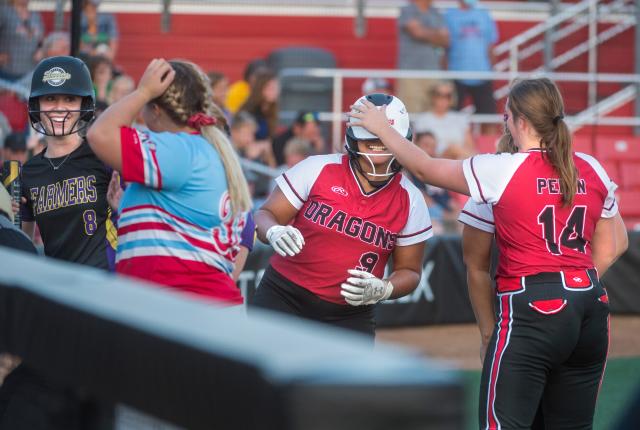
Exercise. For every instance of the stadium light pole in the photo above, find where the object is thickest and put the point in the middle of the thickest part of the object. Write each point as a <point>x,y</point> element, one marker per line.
<point>548,41</point>
<point>58,21</point>
<point>166,16</point>
<point>76,13</point>
<point>360,21</point>
<point>637,62</point>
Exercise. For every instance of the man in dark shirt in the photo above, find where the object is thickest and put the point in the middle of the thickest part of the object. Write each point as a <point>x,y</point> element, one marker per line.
<point>306,126</point>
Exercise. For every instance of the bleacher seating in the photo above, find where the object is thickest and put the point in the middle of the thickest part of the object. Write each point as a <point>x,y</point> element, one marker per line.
<point>15,110</point>
<point>618,155</point>
<point>618,148</point>
<point>630,175</point>
<point>611,167</point>
<point>486,143</point>
<point>629,201</point>
<point>583,143</point>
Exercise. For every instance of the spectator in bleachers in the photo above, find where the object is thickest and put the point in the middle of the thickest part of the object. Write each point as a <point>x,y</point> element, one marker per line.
<point>451,129</point>
<point>14,110</point>
<point>121,85</point>
<point>10,235</point>
<point>296,150</point>
<point>247,241</point>
<point>36,143</point>
<point>243,132</point>
<point>376,85</point>
<point>472,34</point>
<point>243,129</point>
<point>101,70</point>
<point>443,209</point>
<point>21,32</point>
<point>55,44</point>
<point>15,147</point>
<point>5,127</point>
<point>263,105</point>
<point>99,31</point>
<point>422,35</point>
<point>219,90</point>
<point>239,90</point>
<point>306,126</point>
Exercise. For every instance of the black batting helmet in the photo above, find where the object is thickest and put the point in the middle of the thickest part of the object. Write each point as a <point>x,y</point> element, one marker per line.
<point>62,75</point>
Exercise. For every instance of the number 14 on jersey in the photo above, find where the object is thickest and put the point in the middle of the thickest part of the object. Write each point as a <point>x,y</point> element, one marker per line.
<point>570,236</point>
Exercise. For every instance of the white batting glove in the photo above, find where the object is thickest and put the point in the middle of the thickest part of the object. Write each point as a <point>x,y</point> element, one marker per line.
<point>363,288</point>
<point>285,239</point>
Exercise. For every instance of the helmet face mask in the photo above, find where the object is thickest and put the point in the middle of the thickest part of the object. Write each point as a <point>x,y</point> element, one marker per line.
<point>61,75</point>
<point>398,119</point>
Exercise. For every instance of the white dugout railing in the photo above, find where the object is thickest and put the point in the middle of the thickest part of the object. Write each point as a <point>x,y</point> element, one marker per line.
<point>337,116</point>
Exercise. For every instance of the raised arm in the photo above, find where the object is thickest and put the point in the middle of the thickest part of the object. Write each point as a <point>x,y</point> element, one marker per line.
<point>104,135</point>
<point>435,171</point>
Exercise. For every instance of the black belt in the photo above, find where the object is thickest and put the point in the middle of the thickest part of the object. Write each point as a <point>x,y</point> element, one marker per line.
<point>551,277</point>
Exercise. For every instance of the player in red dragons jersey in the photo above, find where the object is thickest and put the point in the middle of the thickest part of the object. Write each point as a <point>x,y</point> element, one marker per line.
<point>549,345</point>
<point>334,221</point>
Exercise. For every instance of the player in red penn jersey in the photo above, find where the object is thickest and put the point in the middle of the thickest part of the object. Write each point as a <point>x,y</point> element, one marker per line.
<point>549,345</point>
<point>334,221</point>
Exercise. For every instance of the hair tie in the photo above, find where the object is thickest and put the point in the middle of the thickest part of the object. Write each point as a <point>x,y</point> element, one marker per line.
<point>199,120</point>
<point>557,118</point>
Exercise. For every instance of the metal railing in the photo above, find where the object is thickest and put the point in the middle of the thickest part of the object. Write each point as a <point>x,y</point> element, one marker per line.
<point>595,12</point>
<point>337,116</point>
<point>579,22</point>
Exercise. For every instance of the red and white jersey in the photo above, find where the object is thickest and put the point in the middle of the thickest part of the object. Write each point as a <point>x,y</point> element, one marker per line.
<point>343,227</point>
<point>534,231</point>
<point>478,215</point>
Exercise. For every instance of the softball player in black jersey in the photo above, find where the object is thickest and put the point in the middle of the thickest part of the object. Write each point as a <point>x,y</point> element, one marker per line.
<point>65,186</point>
<point>64,190</point>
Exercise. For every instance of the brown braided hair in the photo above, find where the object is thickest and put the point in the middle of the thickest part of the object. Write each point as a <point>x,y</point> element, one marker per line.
<point>190,93</point>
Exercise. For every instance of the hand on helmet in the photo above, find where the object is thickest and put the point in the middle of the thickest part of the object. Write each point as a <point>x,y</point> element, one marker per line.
<point>363,288</point>
<point>156,78</point>
<point>369,116</point>
<point>285,240</point>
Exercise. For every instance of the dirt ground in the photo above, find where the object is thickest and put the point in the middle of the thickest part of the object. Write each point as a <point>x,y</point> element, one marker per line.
<point>459,344</point>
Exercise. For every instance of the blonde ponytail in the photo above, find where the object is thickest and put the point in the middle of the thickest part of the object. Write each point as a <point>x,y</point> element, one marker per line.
<point>190,93</point>
<point>236,182</point>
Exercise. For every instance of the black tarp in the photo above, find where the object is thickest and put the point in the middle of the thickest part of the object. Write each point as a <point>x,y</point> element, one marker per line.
<point>199,366</point>
<point>441,297</point>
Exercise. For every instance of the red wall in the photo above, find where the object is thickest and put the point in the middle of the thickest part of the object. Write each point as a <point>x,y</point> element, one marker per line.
<point>226,43</point>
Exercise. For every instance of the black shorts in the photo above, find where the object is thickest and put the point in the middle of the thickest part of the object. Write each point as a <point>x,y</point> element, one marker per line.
<point>277,293</point>
<point>482,96</point>
<point>548,350</point>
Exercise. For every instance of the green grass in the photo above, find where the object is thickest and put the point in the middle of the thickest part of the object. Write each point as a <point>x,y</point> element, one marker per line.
<point>621,378</point>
